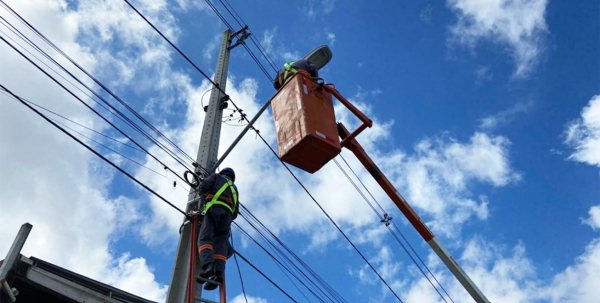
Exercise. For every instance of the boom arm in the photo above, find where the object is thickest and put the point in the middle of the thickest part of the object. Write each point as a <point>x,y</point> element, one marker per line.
<point>411,215</point>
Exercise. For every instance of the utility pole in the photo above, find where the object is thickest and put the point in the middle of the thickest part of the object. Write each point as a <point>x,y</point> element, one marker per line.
<point>207,157</point>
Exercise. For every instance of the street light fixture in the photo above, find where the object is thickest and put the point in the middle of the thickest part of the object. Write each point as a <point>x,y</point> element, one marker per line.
<point>319,56</point>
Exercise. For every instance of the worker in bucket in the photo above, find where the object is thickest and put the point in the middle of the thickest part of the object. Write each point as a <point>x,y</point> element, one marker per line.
<point>220,209</point>
<point>291,68</point>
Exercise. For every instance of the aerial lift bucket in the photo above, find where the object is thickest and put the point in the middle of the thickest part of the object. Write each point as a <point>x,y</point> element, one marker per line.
<point>307,133</point>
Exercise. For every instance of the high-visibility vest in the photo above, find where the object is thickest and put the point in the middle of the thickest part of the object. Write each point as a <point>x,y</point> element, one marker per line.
<point>215,198</point>
<point>288,69</point>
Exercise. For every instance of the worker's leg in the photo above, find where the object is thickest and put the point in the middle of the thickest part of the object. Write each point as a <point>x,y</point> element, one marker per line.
<point>206,239</point>
<point>222,230</point>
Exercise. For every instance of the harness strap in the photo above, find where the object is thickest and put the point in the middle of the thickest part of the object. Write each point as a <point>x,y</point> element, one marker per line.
<point>215,198</point>
<point>288,69</point>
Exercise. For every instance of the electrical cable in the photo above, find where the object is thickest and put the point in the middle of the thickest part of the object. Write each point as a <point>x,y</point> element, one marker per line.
<point>85,104</point>
<point>24,38</point>
<point>364,197</point>
<point>175,47</point>
<point>273,151</point>
<point>259,46</point>
<point>382,219</point>
<point>93,151</point>
<point>214,8</point>
<point>332,221</point>
<point>18,33</point>
<point>238,267</point>
<point>92,130</point>
<point>112,150</point>
<point>277,261</point>
<point>260,272</point>
<point>75,122</point>
<point>284,259</point>
<point>97,82</point>
<point>300,261</point>
<point>91,98</point>
<point>402,235</point>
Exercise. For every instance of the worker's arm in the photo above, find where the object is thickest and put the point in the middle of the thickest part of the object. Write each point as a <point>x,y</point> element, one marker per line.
<point>208,183</point>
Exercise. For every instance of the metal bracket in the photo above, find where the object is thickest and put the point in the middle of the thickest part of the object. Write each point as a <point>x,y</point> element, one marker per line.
<point>386,220</point>
<point>240,40</point>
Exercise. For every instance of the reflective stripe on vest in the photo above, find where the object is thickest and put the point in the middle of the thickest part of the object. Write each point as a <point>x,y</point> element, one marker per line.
<point>215,198</point>
<point>288,68</point>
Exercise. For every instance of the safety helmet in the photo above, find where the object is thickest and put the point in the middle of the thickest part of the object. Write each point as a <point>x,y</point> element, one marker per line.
<point>229,172</point>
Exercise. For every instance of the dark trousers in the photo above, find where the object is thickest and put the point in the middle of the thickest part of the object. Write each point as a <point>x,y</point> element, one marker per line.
<point>214,233</point>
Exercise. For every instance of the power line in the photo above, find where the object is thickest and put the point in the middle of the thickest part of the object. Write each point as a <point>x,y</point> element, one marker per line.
<point>315,276</point>
<point>259,135</point>
<point>77,123</point>
<point>93,151</point>
<point>382,218</point>
<point>360,192</point>
<point>214,8</point>
<point>260,272</point>
<point>92,130</point>
<point>85,104</point>
<point>332,221</point>
<point>288,169</point>
<point>257,43</point>
<point>112,150</point>
<point>120,116</point>
<point>279,263</point>
<point>100,84</point>
<point>288,262</point>
<point>175,47</point>
<point>238,268</point>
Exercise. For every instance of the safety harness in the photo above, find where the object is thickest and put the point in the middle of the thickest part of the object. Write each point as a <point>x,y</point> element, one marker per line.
<point>215,198</point>
<point>288,69</point>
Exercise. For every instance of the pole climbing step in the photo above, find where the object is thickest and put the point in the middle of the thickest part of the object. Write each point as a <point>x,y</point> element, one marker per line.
<point>205,300</point>
<point>200,278</point>
<point>222,291</point>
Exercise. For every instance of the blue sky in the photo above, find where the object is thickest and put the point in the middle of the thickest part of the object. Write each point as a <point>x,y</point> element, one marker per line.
<point>487,119</point>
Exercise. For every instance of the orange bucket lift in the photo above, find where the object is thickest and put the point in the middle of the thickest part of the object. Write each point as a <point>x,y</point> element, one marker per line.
<point>307,132</point>
<point>308,137</point>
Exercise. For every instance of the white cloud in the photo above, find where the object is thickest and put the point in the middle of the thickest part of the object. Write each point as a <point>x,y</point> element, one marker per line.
<point>68,188</point>
<point>277,49</point>
<point>506,116</point>
<point>436,179</point>
<point>76,212</point>
<point>483,73</point>
<point>594,219</point>
<point>505,275</point>
<point>518,24</point>
<point>330,39</point>
<point>240,299</point>
<point>323,7</point>
<point>211,48</point>
<point>583,134</point>
<point>579,282</point>
<point>426,14</point>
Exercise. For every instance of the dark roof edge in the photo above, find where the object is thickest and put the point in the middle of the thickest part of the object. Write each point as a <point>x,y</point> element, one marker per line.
<point>94,285</point>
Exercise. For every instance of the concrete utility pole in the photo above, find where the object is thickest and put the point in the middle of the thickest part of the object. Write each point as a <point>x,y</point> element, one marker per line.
<point>207,157</point>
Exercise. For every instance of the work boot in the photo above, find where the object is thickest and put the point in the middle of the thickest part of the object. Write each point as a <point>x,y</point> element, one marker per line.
<point>218,277</point>
<point>208,270</point>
